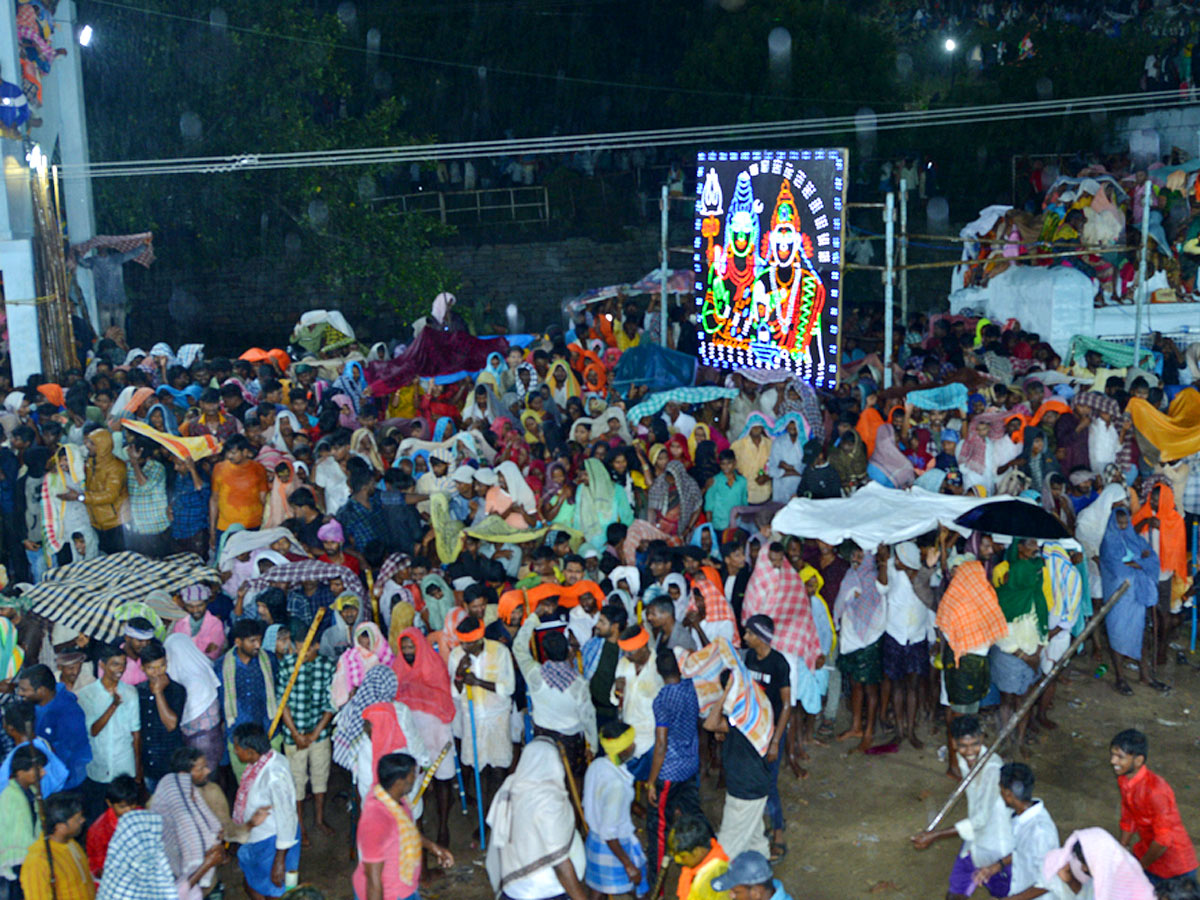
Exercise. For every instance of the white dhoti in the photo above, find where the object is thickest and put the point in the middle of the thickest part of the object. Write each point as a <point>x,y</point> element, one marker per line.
<point>742,827</point>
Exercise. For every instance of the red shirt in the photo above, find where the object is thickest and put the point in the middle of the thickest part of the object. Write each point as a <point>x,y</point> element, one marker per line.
<point>379,842</point>
<point>98,837</point>
<point>1148,808</point>
<point>350,562</point>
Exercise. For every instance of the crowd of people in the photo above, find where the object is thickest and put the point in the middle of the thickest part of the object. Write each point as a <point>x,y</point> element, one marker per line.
<point>917,18</point>
<point>1092,210</point>
<point>471,570</point>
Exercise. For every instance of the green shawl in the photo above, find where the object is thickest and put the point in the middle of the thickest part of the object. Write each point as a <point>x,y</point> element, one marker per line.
<point>1022,591</point>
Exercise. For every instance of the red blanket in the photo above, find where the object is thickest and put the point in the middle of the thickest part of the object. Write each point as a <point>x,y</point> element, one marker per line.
<point>432,353</point>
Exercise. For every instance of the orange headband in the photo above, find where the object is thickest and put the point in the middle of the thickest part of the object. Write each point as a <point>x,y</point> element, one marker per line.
<point>469,637</point>
<point>639,640</point>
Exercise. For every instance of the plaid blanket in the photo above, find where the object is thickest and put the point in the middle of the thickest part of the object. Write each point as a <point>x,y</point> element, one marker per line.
<point>746,705</point>
<point>307,570</point>
<point>780,594</point>
<point>716,607</point>
<point>122,243</point>
<point>969,614</point>
<point>85,595</point>
<point>684,396</point>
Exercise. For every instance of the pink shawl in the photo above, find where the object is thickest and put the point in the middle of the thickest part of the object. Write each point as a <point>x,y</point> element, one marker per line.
<point>1115,874</point>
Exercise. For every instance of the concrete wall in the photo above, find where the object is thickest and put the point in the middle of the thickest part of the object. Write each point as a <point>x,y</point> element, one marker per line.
<point>254,303</point>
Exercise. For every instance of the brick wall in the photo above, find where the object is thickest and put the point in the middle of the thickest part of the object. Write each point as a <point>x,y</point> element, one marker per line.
<point>251,304</point>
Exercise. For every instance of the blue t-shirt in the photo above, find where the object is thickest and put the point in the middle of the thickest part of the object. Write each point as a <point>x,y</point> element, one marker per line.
<point>677,709</point>
<point>61,722</point>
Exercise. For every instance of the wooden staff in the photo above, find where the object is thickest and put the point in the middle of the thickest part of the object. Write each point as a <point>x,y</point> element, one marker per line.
<point>1030,699</point>
<point>429,772</point>
<point>661,881</point>
<point>374,600</point>
<point>562,752</point>
<point>287,691</point>
<point>36,790</point>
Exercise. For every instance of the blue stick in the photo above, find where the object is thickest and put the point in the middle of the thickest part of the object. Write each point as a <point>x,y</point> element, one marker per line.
<point>462,791</point>
<point>1195,566</point>
<point>475,769</point>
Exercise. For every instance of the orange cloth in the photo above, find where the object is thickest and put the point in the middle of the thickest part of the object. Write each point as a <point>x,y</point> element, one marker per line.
<point>1057,406</point>
<point>509,601</point>
<point>869,423</point>
<point>53,393</point>
<point>639,640</point>
<point>577,590</point>
<point>544,591</point>
<point>239,491</point>
<point>1172,534</point>
<point>1176,434</point>
<point>969,614</point>
<point>282,361</point>
<point>701,875</point>
<point>469,636</point>
<point>1018,436</point>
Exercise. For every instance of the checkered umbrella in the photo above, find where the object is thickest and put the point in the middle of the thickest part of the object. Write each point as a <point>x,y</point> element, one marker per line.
<point>308,570</point>
<point>84,595</point>
<point>683,396</point>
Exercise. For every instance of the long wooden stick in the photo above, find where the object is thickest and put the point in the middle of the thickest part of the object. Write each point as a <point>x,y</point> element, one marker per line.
<point>287,691</point>
<point>1031,699</point>
<point>562,752</point>
<point>374,600</point>
<point>661,880</point>
<point>429,772</point>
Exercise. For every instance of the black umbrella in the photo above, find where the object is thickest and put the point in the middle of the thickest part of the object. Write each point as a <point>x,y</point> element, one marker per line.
<point>1014,517</point>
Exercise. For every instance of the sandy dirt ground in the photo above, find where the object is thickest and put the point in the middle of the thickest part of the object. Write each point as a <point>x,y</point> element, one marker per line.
<point>848,824</point>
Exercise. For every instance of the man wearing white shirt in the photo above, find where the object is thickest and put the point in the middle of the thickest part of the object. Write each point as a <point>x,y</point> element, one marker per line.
<point>1034,835</point>
<point>986,832</point>
<point>677,420</point>
<point>616,861</point>
<point>270,856</point>
<point>635,685</point>
<point>560,699</point>
<point>111,713</point>
<point>904,650</point>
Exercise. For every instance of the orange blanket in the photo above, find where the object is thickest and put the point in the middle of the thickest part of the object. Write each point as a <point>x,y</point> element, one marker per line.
<point>1176,434</point>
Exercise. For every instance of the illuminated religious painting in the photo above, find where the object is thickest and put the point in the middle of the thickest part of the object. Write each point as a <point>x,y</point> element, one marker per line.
<point>767,255</point>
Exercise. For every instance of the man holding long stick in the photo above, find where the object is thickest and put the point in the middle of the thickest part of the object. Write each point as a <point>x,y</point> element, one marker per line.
<point>986,832</point>
<point>486,667</point>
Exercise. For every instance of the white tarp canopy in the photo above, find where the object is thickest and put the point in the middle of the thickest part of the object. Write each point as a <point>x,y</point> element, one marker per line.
<point>874,515</point>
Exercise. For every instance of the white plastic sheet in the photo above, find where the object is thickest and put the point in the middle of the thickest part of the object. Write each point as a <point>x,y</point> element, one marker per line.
<point>874,515</point>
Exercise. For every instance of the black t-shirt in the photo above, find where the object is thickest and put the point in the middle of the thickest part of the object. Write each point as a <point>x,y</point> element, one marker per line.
<point>746,776</point>
<point>740,580</point>
<point>773,673</point>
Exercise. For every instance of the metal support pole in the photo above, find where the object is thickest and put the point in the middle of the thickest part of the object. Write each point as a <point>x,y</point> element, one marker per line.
<point>889,279</point>
<point>1026,706</point>
<point>1140,292</point>
<point>903,252</point>
<point>662,296</point>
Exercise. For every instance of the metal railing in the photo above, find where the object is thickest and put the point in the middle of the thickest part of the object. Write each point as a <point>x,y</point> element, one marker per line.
<point>490,206</point>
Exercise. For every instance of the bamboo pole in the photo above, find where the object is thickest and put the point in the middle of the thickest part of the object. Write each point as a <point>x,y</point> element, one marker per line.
<point>572,788</point>
<point>429,772</point>
<point>287,691</point>
<point>1027,705</point>
<point>946,264</point>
